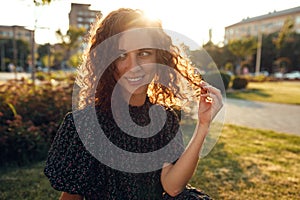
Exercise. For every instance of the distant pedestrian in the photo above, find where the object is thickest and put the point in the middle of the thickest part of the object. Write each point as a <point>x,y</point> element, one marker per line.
<point>11,67</point>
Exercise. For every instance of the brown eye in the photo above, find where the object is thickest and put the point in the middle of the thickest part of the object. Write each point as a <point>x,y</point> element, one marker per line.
<point>122,56</point>
<point>144,53</point>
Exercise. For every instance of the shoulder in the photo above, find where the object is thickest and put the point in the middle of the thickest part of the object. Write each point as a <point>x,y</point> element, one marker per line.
<point>68,118</point>
<point>176,111</point>
<point>72,117</point>
<point>173,112</point>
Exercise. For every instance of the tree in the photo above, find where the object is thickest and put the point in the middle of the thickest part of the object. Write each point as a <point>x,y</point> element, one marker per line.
<point>268,52</point>
<point>220,55</point>
<point>45,55</point>
<point>285,31</point>
<point>291,49</point>
<point>41,2</point>
<point>280,40</point>
<point>7,52</point>
<point>70,42</point>
<point>243,48</point>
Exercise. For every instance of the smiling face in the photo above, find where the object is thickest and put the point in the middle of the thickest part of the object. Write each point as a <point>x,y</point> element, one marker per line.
<point>136,68</point>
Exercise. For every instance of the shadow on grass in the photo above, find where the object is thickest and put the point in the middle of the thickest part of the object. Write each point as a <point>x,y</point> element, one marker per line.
<point>254,92</point>
<point>219,174</point>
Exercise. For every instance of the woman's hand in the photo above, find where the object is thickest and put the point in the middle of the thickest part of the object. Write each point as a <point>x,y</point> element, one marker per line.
<point>210,103</point>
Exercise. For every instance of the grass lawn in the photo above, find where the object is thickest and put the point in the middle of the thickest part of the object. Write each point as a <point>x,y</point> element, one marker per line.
<point>245,164</point>
<point>251,164</point>
<point>277,92</point>
<point>26,183</point>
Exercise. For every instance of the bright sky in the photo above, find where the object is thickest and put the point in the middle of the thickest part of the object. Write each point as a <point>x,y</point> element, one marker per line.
<point>192,18</point>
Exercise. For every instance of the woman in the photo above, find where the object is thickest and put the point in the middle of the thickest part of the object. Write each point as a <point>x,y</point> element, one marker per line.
<point>145,70</point>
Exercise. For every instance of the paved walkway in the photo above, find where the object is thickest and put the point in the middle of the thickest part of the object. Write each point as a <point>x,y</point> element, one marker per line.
<point>271,116</point>
<point>4,76</point>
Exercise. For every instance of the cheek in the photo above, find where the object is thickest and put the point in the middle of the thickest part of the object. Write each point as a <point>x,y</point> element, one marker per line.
<point>152,70</point>
<point>118,71</point>
<point>116,76</point>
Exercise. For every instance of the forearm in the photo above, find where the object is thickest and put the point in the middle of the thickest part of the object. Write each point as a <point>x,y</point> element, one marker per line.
<point>175,177</point>
<point>67,196</point>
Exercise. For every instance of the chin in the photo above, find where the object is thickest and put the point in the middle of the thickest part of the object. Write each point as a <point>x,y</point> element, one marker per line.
<point>139,91</point>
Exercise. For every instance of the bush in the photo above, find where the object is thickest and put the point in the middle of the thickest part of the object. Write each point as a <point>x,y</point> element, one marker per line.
<point>226,79</point>
<point>22,142</point>
<point>239,83</point>
<point>30,116</point>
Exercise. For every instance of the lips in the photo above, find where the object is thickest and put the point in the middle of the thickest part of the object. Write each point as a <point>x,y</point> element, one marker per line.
<point>135,80</point>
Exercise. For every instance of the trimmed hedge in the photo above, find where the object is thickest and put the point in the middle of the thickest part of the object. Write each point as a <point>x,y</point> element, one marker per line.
<point>239,83</point>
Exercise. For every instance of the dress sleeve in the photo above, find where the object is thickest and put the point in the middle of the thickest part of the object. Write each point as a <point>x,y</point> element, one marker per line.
<point>68,163</point>
<point>174,133</point>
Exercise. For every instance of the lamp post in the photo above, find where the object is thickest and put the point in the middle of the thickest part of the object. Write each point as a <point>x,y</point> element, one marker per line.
<point>263,28</point>
<point>33,63</point>
<point>33,55</point>
<point>258,53</point>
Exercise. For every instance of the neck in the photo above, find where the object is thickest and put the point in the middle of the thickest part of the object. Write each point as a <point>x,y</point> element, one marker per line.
<point>137,99</point>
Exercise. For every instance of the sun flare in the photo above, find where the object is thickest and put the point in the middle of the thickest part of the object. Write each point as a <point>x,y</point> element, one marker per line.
<point>151,13</point>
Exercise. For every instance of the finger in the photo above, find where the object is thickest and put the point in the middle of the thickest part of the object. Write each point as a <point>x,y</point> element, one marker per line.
<point>203,86</point>
<point>207,97</point>
<point>213,91</point>
<point>211,88</point>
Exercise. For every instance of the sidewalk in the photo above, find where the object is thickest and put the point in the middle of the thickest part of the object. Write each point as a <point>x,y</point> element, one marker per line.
<point>4,76</point>
<point>271,116</point>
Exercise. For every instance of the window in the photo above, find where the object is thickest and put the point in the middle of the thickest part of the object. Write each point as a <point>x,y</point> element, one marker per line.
<point>248,30</point>
<point>297,20</point>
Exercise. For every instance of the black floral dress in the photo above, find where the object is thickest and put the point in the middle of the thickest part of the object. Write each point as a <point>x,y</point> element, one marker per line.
<point>70,167</point>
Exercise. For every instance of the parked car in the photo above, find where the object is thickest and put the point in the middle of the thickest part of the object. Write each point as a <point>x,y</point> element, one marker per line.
<point>265,73</point>
<point>278,75</point>
<point>292,75</point>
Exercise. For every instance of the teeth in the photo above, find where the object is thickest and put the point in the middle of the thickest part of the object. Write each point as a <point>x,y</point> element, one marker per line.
<point>135,79</point>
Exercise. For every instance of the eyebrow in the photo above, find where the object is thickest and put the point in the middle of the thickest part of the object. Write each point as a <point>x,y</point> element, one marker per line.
<point>146,49</point>
<point>142,49</point>
<point>122,50</point>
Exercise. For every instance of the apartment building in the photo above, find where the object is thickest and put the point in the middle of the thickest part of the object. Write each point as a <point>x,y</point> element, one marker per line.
<point>82,16</point>
<point>17,32</point>
<point>264,24</point>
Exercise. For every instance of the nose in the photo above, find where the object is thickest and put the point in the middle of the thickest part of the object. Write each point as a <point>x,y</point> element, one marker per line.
<point>132,63</point>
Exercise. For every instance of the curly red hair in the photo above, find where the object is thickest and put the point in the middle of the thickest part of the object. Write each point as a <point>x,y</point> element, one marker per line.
<point>117,22</point>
